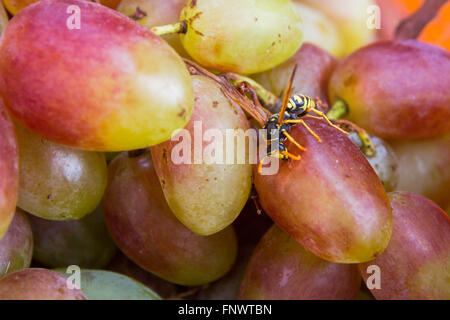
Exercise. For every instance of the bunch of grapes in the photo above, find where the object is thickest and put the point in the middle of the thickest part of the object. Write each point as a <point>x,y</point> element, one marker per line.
<point>116,162</point>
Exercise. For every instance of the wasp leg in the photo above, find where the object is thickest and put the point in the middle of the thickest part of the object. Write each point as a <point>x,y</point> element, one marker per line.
<point>306,126</point>
<point>289,137</point>
<point>261,164</point>
<point>314,117</point>
<point>321,114</point>
<point>291,156</point>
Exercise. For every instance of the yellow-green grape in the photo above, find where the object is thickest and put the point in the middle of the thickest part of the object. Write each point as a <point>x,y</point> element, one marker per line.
<point>241,36</point>
<point>58,182</point>
<point>355,20</point>
<point>208,195</point>
<point>150,13</point>
<point>320,30</point>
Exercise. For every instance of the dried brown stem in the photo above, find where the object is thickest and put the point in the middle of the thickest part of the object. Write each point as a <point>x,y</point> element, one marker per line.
<point>256,112</point>
<point>411,27</point>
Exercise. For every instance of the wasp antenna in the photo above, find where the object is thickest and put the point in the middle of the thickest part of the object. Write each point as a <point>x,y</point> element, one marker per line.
<point>287,95</point>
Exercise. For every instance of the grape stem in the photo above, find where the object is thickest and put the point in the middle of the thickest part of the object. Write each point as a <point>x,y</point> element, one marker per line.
<point>267,98</point>
<point>255,111</point>
<point>337,110</point>
<point>412,26</point>
<point>179,27</point>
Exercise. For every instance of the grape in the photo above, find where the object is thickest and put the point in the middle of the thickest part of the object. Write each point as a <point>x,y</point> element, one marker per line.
<point>241,36</point>
<point>144,228</point>
<point>37,284</point>
<point>155,13</point>
<point>208,196</point>
<point>16,246</point>
<point>351,17</point>
<point>282,269</point>
<point>424,167</point>
<point>107,285</point>
<point>84,242</point>
<point>412,102</point>
<point>311,78</point>
<point>111,95</point>
<point>331,201</point>
<point>416,263</point>
<point>320,30</point>
<point>227,287</point>
<point>58,182</point>
<point>384,161</point>
<point>14,6</point>
<point>121,264</point>
<point>3,18</point>
<point>9,175</point>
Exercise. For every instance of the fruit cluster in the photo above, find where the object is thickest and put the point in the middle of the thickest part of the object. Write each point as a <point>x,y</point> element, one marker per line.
<point>107,191</point>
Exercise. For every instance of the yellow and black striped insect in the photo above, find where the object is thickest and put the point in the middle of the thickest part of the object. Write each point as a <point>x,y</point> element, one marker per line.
<point>278,125</point>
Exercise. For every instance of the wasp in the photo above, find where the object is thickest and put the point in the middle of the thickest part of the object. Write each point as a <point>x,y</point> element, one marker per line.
<point>278,126</point>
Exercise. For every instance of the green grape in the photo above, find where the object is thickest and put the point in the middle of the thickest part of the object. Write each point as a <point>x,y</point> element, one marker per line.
<point>107,285</point>
<point>84,242</point>
<point>16,246</point>
<point>241,36</point>
<point>58,182</point>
